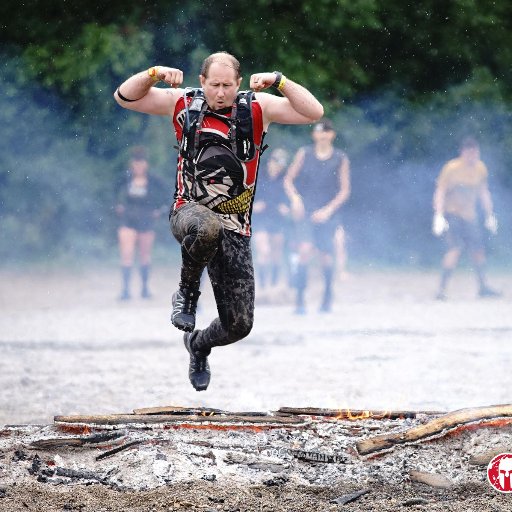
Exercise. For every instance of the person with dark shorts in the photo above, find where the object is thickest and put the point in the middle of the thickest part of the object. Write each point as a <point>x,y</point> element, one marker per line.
<point>461,187</point>
<point>270,220</point>
<point>220,133</point>
<point>317,183</point>
<point>141,199</point>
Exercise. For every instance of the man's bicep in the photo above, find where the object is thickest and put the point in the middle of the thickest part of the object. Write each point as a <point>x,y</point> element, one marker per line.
<point>280,110</point>
<point>160,102</point>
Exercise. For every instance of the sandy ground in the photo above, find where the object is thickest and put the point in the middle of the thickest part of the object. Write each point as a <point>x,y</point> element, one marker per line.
<point>68,347</point>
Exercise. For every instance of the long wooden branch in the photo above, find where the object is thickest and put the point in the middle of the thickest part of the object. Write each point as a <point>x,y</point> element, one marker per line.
<point>435,427</point>
<point>119,419</point>
<point>200,411</point>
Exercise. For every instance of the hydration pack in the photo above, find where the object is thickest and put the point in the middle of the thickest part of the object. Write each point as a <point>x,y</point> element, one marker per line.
<point>241,139</point>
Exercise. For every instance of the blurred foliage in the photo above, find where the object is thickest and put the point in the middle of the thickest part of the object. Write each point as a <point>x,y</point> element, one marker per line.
<point>402,81</point>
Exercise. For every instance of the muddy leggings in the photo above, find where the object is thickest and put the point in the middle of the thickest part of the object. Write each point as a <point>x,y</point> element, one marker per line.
<point>228,258</point>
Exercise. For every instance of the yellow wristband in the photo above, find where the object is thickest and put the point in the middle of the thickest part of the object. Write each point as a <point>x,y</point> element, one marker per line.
<point>153,73</point>
<point>281,83</point>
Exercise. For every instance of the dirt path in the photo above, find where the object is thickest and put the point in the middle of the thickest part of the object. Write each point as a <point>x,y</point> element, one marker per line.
<point>68,348</point>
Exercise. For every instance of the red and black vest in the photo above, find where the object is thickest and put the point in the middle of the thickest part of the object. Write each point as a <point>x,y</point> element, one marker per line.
<point>219,155</point>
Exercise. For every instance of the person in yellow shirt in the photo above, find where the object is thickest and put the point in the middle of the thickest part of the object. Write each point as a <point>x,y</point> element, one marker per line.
<point>461,187</point>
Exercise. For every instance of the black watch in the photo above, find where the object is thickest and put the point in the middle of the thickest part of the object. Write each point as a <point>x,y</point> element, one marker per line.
<point>277,81</point>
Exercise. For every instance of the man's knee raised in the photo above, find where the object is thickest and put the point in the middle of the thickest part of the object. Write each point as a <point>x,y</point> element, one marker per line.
<point>240,330</point>
<point>210,231</point>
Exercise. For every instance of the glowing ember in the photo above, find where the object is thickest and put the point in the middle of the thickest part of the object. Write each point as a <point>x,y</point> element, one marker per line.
<point>358,415</point>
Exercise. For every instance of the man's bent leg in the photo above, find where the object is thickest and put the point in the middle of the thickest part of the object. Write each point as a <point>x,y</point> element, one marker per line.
<point>232,277</point>
<point>198,368</point>
<point>199,232</point>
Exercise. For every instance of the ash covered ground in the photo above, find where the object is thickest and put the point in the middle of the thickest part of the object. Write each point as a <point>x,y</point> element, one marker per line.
<point>68,347</point>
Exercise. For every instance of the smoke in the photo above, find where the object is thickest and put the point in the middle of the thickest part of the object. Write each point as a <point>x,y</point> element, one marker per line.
<point>56,191</point>
<point>397,149</point>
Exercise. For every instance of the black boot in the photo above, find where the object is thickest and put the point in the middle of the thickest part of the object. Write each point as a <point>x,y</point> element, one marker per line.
<point>326,305</point>
<point>274,274</point>
<point>144,275</point>
<point>485,291</point>
<point>300,283</point>
<point>126,274</point>
<point>445,276</point>
<point>199,369</point>
<point>184,305</point>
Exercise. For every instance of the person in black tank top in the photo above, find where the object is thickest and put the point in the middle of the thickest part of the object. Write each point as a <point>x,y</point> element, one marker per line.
<point>317,184</point>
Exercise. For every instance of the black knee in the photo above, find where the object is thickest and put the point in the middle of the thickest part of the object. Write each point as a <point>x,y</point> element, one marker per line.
<point>239,330</point>
<point>202,244</point>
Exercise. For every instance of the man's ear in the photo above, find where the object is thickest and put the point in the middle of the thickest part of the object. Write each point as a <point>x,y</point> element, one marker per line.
<point>239,81</point>
<point>202,80</point>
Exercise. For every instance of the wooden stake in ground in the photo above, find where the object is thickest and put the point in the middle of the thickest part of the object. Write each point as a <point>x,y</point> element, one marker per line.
<point>433,428</point>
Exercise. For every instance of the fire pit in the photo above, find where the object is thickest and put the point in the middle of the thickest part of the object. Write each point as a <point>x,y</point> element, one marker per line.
<point>210,459</point>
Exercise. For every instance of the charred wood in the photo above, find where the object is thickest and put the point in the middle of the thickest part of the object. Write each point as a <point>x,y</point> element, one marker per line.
<point>76,441</point>
<point>118,449</point>
<point>436,427</point>
<point>119,419</point>
<point>351,414</point>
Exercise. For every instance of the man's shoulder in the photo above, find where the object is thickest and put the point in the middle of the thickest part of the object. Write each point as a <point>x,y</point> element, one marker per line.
<point>339,153</point>
<point>454,163</point>
<point>482,167</point>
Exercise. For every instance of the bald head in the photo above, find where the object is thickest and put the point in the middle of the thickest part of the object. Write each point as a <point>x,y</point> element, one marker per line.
<point>222,58</point>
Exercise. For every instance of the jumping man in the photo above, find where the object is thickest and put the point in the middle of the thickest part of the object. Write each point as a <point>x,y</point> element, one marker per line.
<point>220,132</point>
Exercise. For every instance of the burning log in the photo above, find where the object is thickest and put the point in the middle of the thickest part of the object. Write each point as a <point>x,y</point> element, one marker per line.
<point>436,427</point>
<point>350,414</point>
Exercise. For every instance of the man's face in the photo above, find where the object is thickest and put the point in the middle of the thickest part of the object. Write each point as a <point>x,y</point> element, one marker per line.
<point>471,154</point>
<point>221,86</point>
<point>323,136</point>
<point>138,167</point>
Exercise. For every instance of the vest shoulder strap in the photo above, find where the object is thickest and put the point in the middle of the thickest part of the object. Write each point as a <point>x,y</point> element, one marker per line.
<point>241,133</point>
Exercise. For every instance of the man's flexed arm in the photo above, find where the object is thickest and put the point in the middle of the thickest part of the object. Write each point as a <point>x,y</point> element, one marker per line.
<point>137,93</point>
<point>297,106</point>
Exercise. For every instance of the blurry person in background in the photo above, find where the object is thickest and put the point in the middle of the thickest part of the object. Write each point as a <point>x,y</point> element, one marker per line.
<point>461,187</point>
<point>340,244</point>
<point>270,220</point>
<point>141,199</point>
<point>317,184</point>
